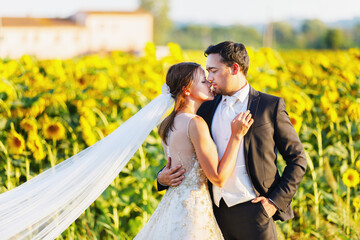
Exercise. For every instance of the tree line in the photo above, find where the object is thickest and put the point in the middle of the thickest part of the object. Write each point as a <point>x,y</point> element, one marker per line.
<point>312,34</point>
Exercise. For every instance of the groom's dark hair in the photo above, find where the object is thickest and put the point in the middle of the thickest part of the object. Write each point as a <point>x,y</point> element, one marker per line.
<point>231,53</point>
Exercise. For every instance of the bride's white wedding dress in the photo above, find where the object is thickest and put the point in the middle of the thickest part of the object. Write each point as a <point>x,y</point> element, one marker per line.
<point>185,211</point>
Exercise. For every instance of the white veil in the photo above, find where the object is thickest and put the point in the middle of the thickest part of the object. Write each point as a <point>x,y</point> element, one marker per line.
<point>46,205</point>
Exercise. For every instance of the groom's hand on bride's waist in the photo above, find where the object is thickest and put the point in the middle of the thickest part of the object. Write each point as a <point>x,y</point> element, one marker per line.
<point>171,176</point>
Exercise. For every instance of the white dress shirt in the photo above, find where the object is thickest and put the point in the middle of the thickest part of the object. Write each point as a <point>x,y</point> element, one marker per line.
<point>238,188</point>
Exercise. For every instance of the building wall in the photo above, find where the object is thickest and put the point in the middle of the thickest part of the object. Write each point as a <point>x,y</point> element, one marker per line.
<point>123,32</point>
<point>56,42</point>
<point>92,33</point>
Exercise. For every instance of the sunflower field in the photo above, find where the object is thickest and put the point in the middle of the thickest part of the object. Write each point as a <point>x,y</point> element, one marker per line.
<point>53,109</point>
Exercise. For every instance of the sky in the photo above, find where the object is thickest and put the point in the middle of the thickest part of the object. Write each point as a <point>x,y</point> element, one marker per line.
<point>222,12</point>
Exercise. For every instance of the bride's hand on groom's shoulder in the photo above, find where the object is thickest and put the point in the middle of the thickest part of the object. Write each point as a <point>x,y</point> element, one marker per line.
<point>171,176</point>
<point>241,124</point>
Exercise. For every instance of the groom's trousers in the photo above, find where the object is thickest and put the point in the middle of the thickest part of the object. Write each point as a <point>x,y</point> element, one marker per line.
<point>245,221</point>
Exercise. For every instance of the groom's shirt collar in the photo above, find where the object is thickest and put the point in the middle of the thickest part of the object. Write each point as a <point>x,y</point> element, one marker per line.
<point>241,95</point>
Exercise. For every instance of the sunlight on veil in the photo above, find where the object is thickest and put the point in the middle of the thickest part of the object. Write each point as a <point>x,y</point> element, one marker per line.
<point>46,205</point>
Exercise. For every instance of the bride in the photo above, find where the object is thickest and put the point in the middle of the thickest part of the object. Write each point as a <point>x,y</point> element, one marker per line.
<point>185,211</point>
<point>43,207</point>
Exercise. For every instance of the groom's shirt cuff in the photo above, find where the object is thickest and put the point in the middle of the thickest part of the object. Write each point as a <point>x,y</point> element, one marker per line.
<point>274,203</point>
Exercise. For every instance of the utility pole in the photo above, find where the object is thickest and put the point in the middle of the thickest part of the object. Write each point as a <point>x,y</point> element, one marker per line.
<point>268,35</point>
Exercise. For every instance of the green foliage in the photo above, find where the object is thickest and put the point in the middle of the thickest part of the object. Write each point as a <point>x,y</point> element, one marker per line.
<point>321,90</point>
<point>334,39</point>
<point>162,23</point>
<point>312,34</point>
<point>201,36</point>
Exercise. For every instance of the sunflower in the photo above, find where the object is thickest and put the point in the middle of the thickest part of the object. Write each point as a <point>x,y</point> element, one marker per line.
<point>332,115</point>
<point>87,133</point>
<point>53,130</point>
<point>29,125</point>
<point>15,142</point>
<point>307,70</point>
<point>82,82</point>
<point>324,104</point>
<point>7,91</point>
<point>354,111</point>
<point>34,144</point>
<point>357,164</point>
<point>88,114</point>
<point>356,202</point>
<point>36,109</point>
<point>101,82</point>
<point>344,104</point>
<point>351,178</point>
<point>296,122</point>
<point>156,187</point>
<point>110,128</point>
<point>90,103</point>
<point>332,95</point>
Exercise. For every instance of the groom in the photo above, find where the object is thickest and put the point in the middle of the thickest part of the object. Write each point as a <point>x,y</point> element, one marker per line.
<point>255,194</point>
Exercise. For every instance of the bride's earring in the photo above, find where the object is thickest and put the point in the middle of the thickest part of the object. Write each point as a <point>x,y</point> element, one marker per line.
<point>186,91</point>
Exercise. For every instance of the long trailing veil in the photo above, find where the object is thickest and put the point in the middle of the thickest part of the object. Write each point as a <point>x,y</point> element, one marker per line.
<point>43,207</point>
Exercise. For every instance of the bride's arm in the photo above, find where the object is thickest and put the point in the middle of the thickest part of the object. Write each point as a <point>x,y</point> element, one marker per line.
<point>218,172</point>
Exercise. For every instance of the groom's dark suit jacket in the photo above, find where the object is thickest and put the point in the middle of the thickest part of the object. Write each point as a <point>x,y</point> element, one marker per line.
<point>271,131</point>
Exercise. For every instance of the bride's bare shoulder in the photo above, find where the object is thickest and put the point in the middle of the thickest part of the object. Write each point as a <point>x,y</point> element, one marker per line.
<point>197,126</point>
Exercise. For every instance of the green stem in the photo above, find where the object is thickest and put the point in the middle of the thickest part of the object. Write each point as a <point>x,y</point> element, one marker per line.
<point>8,174</point>
<point>73,137</point>
<point>27,167</point>
<point>319,142</point>
<point>116,218</point>
<point>3,148</point>
<point>7,109</point>
<point>348,211</point>
<point>331,127</point>
<point>301,209</point>
<point>114,112</point>
<point>142,159</point>
<point>101,115</point>
<point>316,190</point>
<point>51,156</point>
<point>351,142</point>
<point>54,152</point>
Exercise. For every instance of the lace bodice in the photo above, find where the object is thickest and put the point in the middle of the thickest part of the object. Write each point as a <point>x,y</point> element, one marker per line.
<point>185,212</point>
<point>179,146</point>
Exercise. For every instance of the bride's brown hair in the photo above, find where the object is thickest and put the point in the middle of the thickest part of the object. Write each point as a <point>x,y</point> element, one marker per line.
<point>179,78</point>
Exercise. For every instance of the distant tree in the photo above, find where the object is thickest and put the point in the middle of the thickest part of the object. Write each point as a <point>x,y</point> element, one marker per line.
<point>284,35</point>
<point>334,39</point>
<point>268,36</point>
<point>348,40</point>
<point>191,36</point>
<point>237,33</point>
<point>162,22</point>
<point>356,35</point>
<point>201,36</point>
<point>314,32</point>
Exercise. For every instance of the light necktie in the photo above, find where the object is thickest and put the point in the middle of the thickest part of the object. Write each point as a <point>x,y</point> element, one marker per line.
<point>228,111</point>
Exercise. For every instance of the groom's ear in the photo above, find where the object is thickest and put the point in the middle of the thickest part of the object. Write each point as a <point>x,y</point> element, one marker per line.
<point>235,68</point>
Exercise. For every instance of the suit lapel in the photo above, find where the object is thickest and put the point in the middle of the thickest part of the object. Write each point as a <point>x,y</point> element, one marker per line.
<point>211,111</point>
<point>254,99</point>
